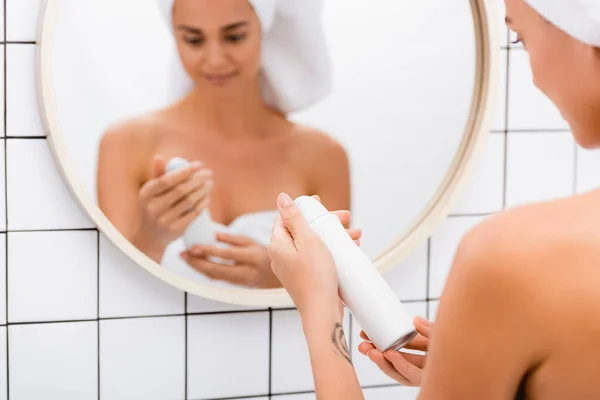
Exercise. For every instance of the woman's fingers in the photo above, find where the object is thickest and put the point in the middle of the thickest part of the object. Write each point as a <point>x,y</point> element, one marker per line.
<point>234,240</point>
<point>165,182</point>
<point>364,335</point>
<point>199,184</point>
<point>238,275</point>
<point>186,219</point>
<point>237,255</point>
<point>408,370</point>
<point>424,326</point>
<point>388,368</point>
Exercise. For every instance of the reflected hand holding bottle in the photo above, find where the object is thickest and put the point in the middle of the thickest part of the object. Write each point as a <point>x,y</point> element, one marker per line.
<point>169,203</point>
<point>405,368</point>
<point>250,262</point>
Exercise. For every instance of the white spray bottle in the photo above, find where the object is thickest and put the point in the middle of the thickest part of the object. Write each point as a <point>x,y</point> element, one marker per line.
<point>201,231</point>
<point>362,288</point>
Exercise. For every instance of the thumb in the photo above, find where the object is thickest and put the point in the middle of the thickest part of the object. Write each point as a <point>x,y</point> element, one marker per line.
<point>291,216</point>
<point>159,166</point>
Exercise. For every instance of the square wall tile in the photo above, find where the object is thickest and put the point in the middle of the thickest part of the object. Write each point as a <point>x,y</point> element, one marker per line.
<point>2,185</point>
<point>484,189</point>
<point>22,19</point>
<point>228,355</point>
<point>368,372</point>
<point>588,170</point>
<point>500,14</point>
<point>3,371</point>
<point>2,281</point>
<point>2,87</point>
<point>528,107</point>
<point>409,279</point>
<point>392,393</point>
<point>444,243</point>
<point>142,358</point>
<point>197,304</point>
<point>127,289</point>
<point>302,396</point>
<point>52,276</point>
<point>540,167</point>
<point>499,123</point>
<point>54,361</point>
<point>23,116</point>
<point>32,176</point>
<point>433,307</point>
<point>291,369</point>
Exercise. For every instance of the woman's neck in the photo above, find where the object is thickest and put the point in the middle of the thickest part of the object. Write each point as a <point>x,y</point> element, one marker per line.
<point>242,115</point>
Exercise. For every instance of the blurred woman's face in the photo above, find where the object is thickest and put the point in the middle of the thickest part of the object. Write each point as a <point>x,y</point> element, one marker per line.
<point>219,42</point>
<point>564,69</point>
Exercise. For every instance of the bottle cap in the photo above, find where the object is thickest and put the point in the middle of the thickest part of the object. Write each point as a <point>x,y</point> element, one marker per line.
<point>310,208</point>
<point>176,163</point>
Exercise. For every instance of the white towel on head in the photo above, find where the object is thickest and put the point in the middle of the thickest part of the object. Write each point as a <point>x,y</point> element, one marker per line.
<point>578,18</point>
<point>296,70</point>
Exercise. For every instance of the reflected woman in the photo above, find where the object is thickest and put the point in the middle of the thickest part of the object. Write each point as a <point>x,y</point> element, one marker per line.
<point>241,67</point>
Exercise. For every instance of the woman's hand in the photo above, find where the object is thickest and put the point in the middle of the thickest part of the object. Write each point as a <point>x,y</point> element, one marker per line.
<point>171,201</point>
<point>301,261</point>
<point>251,263</point>
<point>404,368</point>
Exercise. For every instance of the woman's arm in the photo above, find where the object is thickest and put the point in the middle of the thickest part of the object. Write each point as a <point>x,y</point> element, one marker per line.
<point>331,362</point>
<point>485,338</point>
<point>118,181</point>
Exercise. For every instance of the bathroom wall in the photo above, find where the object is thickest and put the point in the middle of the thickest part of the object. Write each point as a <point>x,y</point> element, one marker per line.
<point>79,321</point>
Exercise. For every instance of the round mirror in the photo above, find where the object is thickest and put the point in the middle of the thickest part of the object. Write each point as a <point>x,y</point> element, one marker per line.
<point>177,123</point>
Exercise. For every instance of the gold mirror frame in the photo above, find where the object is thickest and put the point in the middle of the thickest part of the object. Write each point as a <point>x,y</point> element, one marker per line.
<point>478,126</point>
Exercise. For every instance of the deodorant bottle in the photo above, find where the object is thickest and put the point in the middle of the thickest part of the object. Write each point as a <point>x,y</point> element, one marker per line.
<point>362,288</point>
<point>201,231</point>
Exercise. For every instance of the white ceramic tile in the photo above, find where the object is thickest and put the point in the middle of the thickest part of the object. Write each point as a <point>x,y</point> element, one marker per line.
<point>392,393</point>
<point>142,358</point>
<point>540,167</point>
<point>197,304</point>
<point>38,197</point>
<point>126,289</point>
<point>3,372</point>
<point>2,185</point>
<point>588,170</point>
<point>303,396</point>
<point>52,276</point>
<point>228,355</point>
<point>444,244</point>
<point>22,19</point>
<point>368,373</point>
<point>291,369</point>
<point>484,190</point>
<point>54,361</point>
<point>2,281</point>
<point>409,279</point>
<point>433,307</point>
<point>499,10</point>
<point>499,123</point>
<point>528,107</point>
<point>23,113</point>
<point>2,88</point>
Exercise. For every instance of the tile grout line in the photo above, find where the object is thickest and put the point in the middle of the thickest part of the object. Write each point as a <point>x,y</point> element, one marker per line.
<point>98,304</point>
<point>6,202</point>
<point>185,346</point>
<point>270,378</point>
<point>506,119</point>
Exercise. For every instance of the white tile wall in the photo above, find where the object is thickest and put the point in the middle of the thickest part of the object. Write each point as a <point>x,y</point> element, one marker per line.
<point>142,358</point>
<point>53,361</point>
<point>136,342</point>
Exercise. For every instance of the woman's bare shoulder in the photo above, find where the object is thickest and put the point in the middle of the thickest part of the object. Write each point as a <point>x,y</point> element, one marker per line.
<point>318,146</point>
<point>546,243</point>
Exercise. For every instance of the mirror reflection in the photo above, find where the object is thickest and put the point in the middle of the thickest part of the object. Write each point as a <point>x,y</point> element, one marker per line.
<point>186,118</point>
